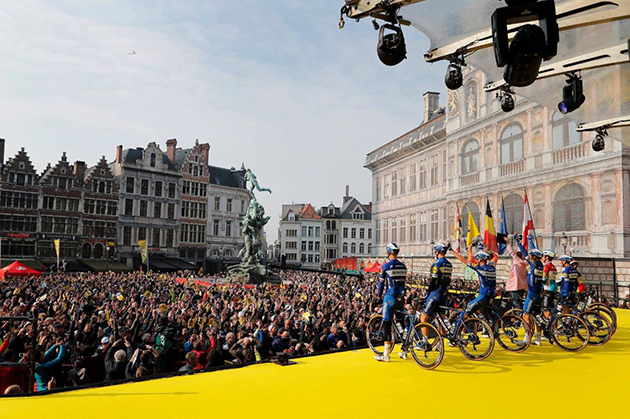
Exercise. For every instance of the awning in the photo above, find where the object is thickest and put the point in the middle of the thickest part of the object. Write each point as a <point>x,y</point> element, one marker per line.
<point>160,265</point>
<point>105,266</point>
<point>31,263</point>
<point>180,264</point>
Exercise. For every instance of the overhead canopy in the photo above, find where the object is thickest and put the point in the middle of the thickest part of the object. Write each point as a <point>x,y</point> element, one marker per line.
<point>456,23</point>
<point>16,269</point>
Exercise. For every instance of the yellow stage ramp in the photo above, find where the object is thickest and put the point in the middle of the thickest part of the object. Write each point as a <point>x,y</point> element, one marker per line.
<point>541,382</point>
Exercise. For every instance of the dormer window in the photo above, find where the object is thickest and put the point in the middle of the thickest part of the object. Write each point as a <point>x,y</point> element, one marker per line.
<point>152,159</point>
<point>291,216</point>
<point>358,214</point>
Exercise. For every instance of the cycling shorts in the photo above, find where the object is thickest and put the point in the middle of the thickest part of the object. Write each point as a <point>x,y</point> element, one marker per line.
<point>549,299</point>
<point>391,303</point>
<point>433,302</point>
<point>478,303</point>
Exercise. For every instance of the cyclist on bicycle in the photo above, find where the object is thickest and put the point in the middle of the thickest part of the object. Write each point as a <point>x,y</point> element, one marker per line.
<point>441,272</point>
<point>487,274</point>
<point>568,284</point>
<point>534,286</point>
<point>550,287</point>
<point>392,282</point>
<point>581,287</point>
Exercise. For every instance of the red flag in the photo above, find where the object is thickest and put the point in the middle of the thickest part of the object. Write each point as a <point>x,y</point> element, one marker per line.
<point>528,222</point>
<point>490,234</point>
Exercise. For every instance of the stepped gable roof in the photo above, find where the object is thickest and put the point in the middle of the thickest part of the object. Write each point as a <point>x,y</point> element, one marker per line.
<point>62,168</point>
<point>230,178</point>
<point>13,165</point>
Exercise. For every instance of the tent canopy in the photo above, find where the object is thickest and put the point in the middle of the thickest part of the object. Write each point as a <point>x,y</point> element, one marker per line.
<point>16,269</point>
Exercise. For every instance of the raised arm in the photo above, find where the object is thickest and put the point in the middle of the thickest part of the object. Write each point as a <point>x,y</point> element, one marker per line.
<point>459,257</point>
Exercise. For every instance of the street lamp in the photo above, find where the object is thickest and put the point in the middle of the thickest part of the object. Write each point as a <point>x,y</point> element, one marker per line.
<point>564,241</point>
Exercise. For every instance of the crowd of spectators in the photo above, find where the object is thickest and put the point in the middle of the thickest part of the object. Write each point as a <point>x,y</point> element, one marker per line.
<point>109,326</point>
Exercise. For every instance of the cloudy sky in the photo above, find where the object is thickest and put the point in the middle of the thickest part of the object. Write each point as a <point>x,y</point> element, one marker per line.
<point>272,84</point>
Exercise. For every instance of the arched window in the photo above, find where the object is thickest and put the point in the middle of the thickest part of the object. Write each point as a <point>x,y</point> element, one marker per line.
<point>470,157</point>
<point>101,187</point>
<point>328,225</point>
<point>98,251</point>
<point>361,248</point>
<point>569,209</point>
<point>227,253</point>
<point>474,210</point>
<point>334,225</point>
<point>369,249</point>
<point>86,251</point>
<point>345,248</point>
<point>512,144</point>
<point>514,213</point>
<point>353,248</point>
<point>215,252</point>
<point>563,131</point>
<point>152,159</point>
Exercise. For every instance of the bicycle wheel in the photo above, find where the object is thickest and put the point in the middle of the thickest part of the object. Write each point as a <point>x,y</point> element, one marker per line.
<point>599,327</point>
<point>603,306</point>
<point>512,333</point>
<point>427,349</point>
<point>376,335</point>
<point>514,311</point>
<point>605,312</point>
<point>475,339</point>
<point>570,332</point>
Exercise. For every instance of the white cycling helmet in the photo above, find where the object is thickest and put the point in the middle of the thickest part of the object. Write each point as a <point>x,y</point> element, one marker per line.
<point>536,252</point>
<point>392,248</point>
<point>549,253</point>
<point>482,256</point>
<point>564,258</point>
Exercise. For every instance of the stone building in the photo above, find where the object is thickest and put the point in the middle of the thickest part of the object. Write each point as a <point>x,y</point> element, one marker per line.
<point>579,198</point>
<point>149,205</point>
<point>193,164</point>
<point>100,212</point>
<point>19,196</point>
<point>228,200</point>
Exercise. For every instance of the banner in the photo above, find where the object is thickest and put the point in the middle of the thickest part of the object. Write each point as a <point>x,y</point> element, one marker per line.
<point>490,234</point>
<point>57,247</point>
<point>144,252</point>
<point>473,231</point>
<point>503,232</point>
<point>528,222</point>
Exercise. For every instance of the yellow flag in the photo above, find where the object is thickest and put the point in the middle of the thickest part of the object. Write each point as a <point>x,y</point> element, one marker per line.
<point>57,246</point>
<point>142,244</point>
<point>472,230</point>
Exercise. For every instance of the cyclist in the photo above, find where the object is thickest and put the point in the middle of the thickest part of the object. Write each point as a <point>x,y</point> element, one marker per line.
<point>441,272</point>
<point>392,283</point>
<point>568,284</point>
<point>581,286</point>
<point>534,286</point>
<point>487,274</point>
<point>550,288</point>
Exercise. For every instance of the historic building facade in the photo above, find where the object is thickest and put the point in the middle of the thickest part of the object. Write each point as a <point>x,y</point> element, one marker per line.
<point>579,198</point>
<point>150,199</point>
<point>193,163</point>
<point>228,200</point>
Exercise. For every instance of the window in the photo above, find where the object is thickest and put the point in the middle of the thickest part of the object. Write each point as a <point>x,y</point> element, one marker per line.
<point>514,213</point>
<point>403,181</point>
<point>357,215</point>
<point>361,248</point>
<point>112,208</point>
<point>511,144</point>
<point>394,183</point>
<point>569,209</point>
<point>130,184</point>
<point>303,246</point>
<point>435,219</point>
<point>353,232</point>
<point>369,233</point>
<point>444,224</point>
<point>403,229</point>
<point>316,258</point>
<point>412,228</point>
<point>158,188</point>
<point>310,258</point>
<point>291,233</point>
<point>433,161</point>
<point>423,226</point>
<point>291,245</point>
<point>73,205</point>
<point>128,206</point>
<point>215,228</point>
<point>142,233</point>
<point>157,210</point>
<point>156,237</point>
<point>317,246</point>
<point>412,177</point>
<point>317,231</point>
<point>385,231</point>
<point>310,231</point>
<point>60,204</point>
<point>170,214</point>
<point>386,186</point>
<point>563,131</point>
<point>152,159</point>
<point>344,248</point>
<point>361,233</point>
<point>243,207</point>
<point>229,205</point>
<point>422,179</point>
<point>353,248</point>
<point>310,246</point>
<point>49,202</point>
<point>169,238</point>
<point>217,203</point>
<point>228,228</point>
<point>127,236</point>
<point>394,231</point>
<point>144,186</point>
<point>444,172</point>
<point>143,208</point>
<point>377,193</point>
<point>470,157</point>
<point>101,187</point>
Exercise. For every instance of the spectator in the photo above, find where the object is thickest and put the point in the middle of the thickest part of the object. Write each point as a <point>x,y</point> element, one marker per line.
<point>191,362</point>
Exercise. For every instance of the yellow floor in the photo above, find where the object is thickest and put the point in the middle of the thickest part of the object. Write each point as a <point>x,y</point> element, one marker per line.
<point>542,382</point>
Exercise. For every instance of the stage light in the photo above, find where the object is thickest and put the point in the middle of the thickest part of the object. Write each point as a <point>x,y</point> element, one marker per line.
<point>598,143</point>
<point>507,101</point>
<point>572,95</point>
<point>391,48</point>
<point>454,78</point>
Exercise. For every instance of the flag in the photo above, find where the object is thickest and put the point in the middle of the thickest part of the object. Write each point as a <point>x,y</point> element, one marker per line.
<point>489,233</point>
<point>458,230</point>
<point>473,231</point>
<point>528,222</point>
<point>57,247</point>
<point>503,233</point>
<point>142,244</point>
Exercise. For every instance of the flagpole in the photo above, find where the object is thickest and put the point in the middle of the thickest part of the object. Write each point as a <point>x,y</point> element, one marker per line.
<point>533,224</point>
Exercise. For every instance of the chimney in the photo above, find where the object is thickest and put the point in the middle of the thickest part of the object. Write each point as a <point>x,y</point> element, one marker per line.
<point>205,151</point>
<point>79,169</point>
<point>170,149</point>
<point>431,104</point>
<point>119,154</point>
<point>347,190</point>
<point>1,152</point>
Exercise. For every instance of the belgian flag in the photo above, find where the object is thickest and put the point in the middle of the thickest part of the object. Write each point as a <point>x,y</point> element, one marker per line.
<point>490,234</point>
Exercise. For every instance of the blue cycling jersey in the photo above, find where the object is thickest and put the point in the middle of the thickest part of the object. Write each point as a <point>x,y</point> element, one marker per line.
<point>393,276</point>
<point>535,276</point>
<point>569,281</point>
<point>441,272</point>
<point>487,279</point>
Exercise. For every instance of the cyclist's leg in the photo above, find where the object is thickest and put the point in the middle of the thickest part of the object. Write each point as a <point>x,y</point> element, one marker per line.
<point>431,305</point>
<point>548,303</point>
<point>388,311</point>
<point>479,302</point>
<point>517,299</point>
<point>527,310</point>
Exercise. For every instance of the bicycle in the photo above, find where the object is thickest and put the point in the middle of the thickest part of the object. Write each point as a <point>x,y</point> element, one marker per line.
<point>568,331</point>
<point>511,331</point>
<point>585,302</point>
<point>467,333</point>
<point>423,340</point>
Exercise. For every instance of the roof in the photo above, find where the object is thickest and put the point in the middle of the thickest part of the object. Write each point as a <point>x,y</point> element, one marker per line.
<point>309,213</point>
<point>230,178</point>
<point>131,155</point>
<point>350,206</point>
